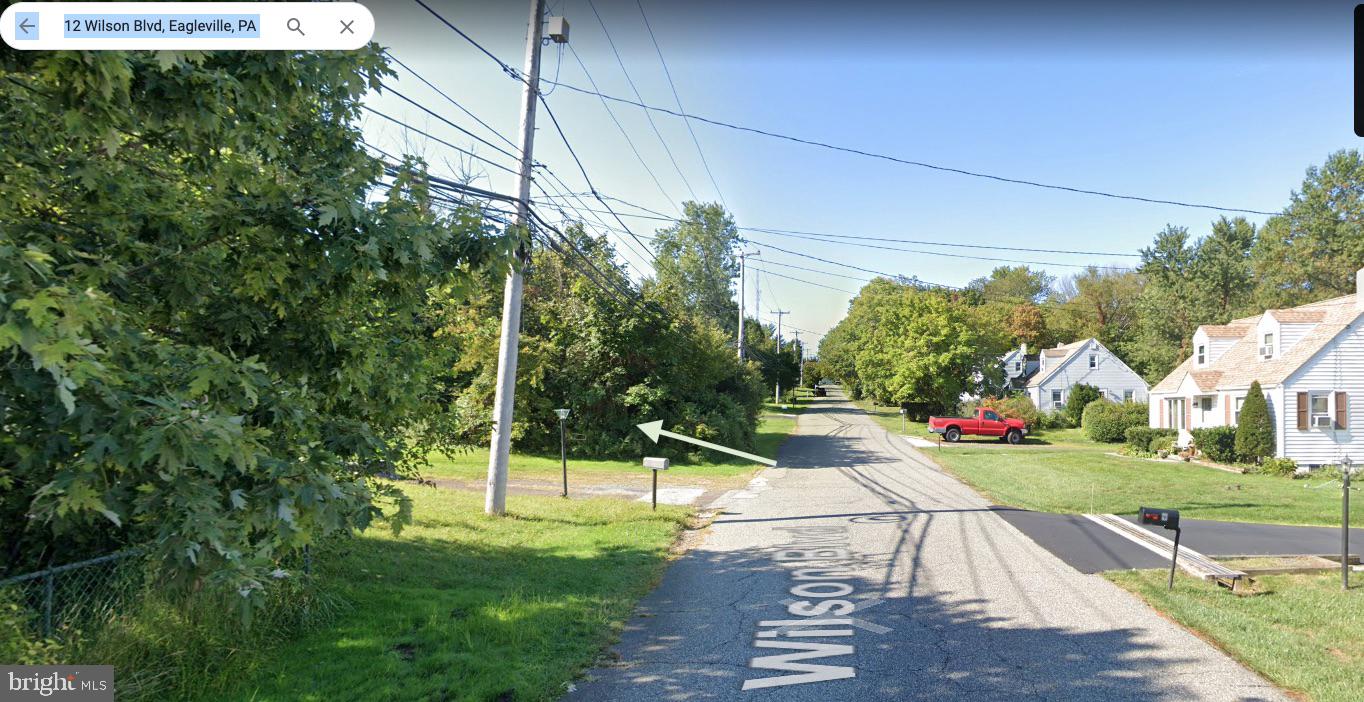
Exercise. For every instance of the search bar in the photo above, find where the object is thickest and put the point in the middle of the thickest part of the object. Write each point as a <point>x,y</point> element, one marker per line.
<point>121,26</point>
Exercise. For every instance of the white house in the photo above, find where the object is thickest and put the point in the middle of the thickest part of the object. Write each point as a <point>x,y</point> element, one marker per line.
<point>1310,364</point>
<point>1088,362</point>
<point>1019,366</point>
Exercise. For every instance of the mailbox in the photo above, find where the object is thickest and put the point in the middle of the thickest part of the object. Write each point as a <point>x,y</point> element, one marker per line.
<point>656,463</point>
<point>1168,518</point>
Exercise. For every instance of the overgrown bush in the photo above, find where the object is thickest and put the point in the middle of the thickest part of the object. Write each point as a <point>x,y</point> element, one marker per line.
<point>1255,433</point>
<point>1080,397</point>
<point>1053,420</point>
<point>1144,439</point>
<point>1217,443</point>
<point>1012,406</point>
<point>1107,422</point>
<point>1276,466</point>
<point>17,645</point>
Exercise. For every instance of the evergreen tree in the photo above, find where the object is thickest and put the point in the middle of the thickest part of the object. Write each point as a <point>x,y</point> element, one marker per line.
<point>1079,398</point>
<point>1255,432</point>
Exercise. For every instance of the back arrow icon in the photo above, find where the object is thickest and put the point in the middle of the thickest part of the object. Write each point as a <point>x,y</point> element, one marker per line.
<point>26,25</point>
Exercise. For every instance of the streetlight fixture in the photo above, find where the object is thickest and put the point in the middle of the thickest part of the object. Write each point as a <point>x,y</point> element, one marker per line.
<point>563,446</point>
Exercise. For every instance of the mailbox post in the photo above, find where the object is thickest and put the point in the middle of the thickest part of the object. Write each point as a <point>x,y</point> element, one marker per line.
<point>1347,467</point>
<point>655,465</point>
<point>902,420</point>
<point>1169,519</point>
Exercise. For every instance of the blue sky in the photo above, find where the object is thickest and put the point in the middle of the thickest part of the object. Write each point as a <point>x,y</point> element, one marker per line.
<point>1222,104</point>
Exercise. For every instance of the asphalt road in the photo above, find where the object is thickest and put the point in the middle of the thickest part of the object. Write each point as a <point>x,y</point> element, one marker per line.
<point>856,570</point>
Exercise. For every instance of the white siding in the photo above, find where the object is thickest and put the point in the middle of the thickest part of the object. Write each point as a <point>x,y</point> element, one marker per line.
<point>1268,325</point>
<point>1218,346</point>
<point>1339,367</point>
<point>1111,376</point>
<point>1292,334</point>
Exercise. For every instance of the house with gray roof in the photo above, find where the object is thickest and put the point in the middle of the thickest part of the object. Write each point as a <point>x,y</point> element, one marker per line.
<point>1086,361</point>
<point>1309,361</point>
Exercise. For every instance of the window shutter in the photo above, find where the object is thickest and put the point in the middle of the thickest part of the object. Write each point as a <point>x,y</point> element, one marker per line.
<point>1226,406</point>
<point>1302,410</point>
<point>1188,410</point>
<point>1162,412</point>
<point>1342,410</point>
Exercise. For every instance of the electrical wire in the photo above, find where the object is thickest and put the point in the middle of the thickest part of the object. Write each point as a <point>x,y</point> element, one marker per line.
<point>908,162</point>
<point>451,100</point>
<point>640,97</point>
<point>677,99</point>
<point>439,140</point>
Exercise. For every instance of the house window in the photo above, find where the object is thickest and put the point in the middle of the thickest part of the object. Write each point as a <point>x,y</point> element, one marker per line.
<point>1205,404</point>
<point>1202,354</point>
<point>1093,360</point>
<point>1236,416</point>
<point>1321,410</point>
<point>1018,366</point>
<point>1175,409</point>
<point>1128,395</point>
<point>1267,351</point>
<point>1056,399</point>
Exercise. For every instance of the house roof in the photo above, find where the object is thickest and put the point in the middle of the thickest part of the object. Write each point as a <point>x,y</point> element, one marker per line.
<point>1063,352</point>
<point>1241,364</point>
<point>1225,331</point>
<point>1299,316</point>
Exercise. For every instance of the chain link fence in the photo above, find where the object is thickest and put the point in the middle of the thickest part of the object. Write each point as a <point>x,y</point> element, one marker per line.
<point>57,602</point>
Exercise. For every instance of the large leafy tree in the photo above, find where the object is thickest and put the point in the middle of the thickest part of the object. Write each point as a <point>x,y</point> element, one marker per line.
<point>1014,284</point>
<point>696,264</point>
<point>613,357</point>
<point>215,324</point>
<point>1313,249</point>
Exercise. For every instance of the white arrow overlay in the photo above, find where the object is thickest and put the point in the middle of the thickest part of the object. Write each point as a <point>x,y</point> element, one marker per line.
<point>655,429</point>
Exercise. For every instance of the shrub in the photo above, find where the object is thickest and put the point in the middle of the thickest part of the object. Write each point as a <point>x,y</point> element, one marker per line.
<point>1148,439</point>
<point>1108,422</point>
<point>1014,407</point>
<point>1255,433</point>
<point>1276,466</point>
<point>1080,397</point>
<point>1053,420</point>
<point>1217,443</point>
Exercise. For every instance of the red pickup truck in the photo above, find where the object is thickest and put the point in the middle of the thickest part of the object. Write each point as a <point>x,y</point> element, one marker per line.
<point>987,422</point>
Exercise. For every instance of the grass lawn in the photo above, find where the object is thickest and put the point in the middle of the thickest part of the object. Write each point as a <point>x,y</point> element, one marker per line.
<point>1301,631</point>
<point>773,428</point>
<point>462,606</point>
<point>1075,475</point>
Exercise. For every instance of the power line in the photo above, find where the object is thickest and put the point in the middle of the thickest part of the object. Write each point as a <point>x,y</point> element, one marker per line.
<point>452,101</point>
<point>953,255</point>
<point>668,74</point>
<point>648,115</point>
<point>908,162</point>
<point>631,142</point>
<point>438,140</point>
<point>766,230</point>
<point>798,280</point>
<point>443,119</point>
<point>558,128</point>
<point>500,63</point>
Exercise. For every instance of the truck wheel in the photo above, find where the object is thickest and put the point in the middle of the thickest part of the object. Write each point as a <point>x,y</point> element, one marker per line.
<point>1014,436</point>
<point>952,435</point>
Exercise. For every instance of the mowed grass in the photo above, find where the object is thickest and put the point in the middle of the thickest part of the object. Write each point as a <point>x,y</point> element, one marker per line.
<point>773,427</point>
<point>1302,632</point>
<point>462,606</point>
<point>1077,476</point>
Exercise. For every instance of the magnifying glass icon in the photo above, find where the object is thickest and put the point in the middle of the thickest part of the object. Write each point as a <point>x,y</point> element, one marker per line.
<point>295,26</point>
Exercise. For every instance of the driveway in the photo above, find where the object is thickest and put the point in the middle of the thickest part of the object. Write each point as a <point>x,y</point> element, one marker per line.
<point>856,570</point>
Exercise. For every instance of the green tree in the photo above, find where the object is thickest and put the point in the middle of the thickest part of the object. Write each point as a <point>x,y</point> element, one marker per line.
<point>215,322</point>
<point>1221,270</point>
<point>1167,309</point>
<point>1014,285</point>
<point>1313,249</point>
<point>696,263</point>
<point>603,357</point>
<point>1255,428</point>
<point>1079,397</point>
<point>1095,303</point>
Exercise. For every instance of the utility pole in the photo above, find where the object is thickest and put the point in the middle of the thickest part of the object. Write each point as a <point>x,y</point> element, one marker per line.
<point>742,294</point>
<point>800,361</point>
<point>495,500</point>
<point>780,314</point>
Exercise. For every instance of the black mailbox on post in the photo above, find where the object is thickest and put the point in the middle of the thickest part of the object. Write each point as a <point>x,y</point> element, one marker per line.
<point>1168,518</point>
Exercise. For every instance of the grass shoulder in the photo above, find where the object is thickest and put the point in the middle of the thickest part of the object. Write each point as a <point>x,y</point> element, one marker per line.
<point>1299,631</point>
<point>463,606</point>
